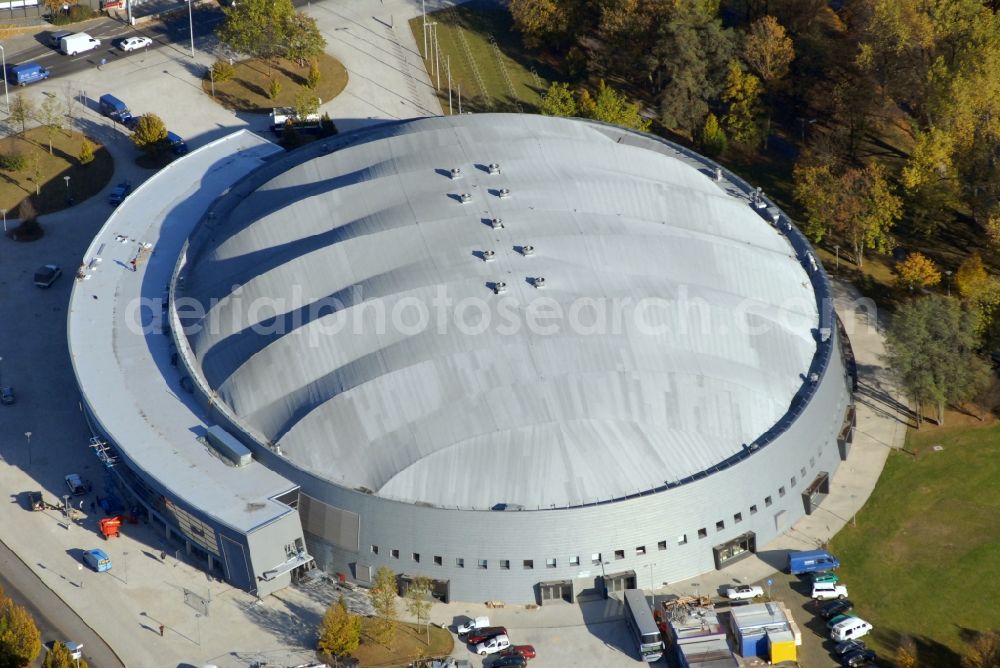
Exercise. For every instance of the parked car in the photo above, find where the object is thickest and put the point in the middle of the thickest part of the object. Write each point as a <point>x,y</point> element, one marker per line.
<point>78,42</point>
<point>484,634</point>
<point>26,73</point>
<point>55,38</point>
<point>848,646</point>
<point>119,193</point>
<point>857,658</point>
<point>134,43</point>
<point>115,109</point>
<point>510,661</point>
<point>493,645</point>
<point>527,651</point>
<point>836,620</point>
<point>98,560</point>
<point>829,577</point>
<point>76,485</point>
<point>850,629</point>
<point>811,561</point>
<point>472,625</point>
<point>176,143</point>
<point>834,608</point>
<point>6,395</point>
<point>45,276</point>
<point>825,591</point>
<point>743,592</point>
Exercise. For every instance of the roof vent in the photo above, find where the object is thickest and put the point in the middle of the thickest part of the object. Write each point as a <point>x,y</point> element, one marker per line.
<point>493,168</point>
<point>824,334</point>
<point>496,223</point>
<point>499,287</point>
<point>527,250</point>
<point>489,256</point>
<point>456,173</point>
<point>465,198</point>
<point>813,377</point>
<point>539,282</point>
<point>503,193</point>
<point>718,173</point>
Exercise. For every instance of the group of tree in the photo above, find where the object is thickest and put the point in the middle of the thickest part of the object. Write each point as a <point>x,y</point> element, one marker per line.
<point>269,30</point>
<point>608,105</point>
<point>20,641</point>
<point>983,651</point>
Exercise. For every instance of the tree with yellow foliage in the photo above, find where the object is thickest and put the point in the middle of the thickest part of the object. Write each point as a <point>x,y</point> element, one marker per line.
<point>917,271</point>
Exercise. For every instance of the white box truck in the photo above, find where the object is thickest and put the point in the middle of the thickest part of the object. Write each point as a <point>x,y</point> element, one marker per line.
<point>78,43</point>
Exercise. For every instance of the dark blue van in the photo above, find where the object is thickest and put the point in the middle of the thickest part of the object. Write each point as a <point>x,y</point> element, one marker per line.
<point>115,109</point>
<point>176,143</point>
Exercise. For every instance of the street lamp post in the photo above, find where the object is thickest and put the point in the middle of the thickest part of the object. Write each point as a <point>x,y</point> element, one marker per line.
<point>652,585</point>
<point>27,435</point>
<point>4,219</point>
<point>947,273</point>
<point>3,63</point>
<point>68,198</point>
<point>836,249</point>
<point>191,27</point>
<point>604,578</point>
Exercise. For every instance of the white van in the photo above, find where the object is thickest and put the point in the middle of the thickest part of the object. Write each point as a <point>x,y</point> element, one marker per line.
<point>849,629</point>
<point>78,43</point>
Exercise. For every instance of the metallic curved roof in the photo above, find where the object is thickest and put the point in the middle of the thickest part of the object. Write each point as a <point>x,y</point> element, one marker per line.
<point>714,334</point>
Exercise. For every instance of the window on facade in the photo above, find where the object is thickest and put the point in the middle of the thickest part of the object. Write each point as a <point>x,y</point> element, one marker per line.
<point>641,550</point>
<point>792,481</point>
<point>781,491</point>
<point>803,471</point>
<point>438,561</point>
<point>595,558</point>
<point>459,562</point>
<point>702,533</point>
<point>812,463</point>
<point>505,564</point>
<point>574,561</point>
<point>416,557</point>
<point>720,525</point>
<point>374,549</point>
<point>550,562</point>
<point>619,554</point>
<point>767,502</point>
<point>662,545</point>
<point>481,564</point>
<point>395,554</point>
<point>753,509</point>
<point>682,539</point>
<point>528,564</point>
<point>737,518</point>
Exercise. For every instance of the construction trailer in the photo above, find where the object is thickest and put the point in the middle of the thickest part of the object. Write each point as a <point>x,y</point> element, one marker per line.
<point>766,630</point>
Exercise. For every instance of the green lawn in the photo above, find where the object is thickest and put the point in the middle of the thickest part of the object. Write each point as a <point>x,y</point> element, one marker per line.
<point>925,555</point>
<point>488,62</point>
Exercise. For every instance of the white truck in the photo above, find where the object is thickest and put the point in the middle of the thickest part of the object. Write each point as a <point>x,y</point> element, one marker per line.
<point>78,42</point>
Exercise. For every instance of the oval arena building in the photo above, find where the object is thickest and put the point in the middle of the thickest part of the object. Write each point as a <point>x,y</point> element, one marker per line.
<point>531,358</point>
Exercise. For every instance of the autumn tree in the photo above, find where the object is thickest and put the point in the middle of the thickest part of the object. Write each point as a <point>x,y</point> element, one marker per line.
<point>858,204</point>
<point>931,344</point>
<point>558,101</point>
<point>542,22</point>
<point>713,137</point>
<point>20,641</point>
<point>984,651</point>
<point>610,106</point>
<point>60,657</point>
<point>768,51</point>
<point>906,653</point>
<point>22,110</point>
<point>269,29</point>
<point>306,103</point>
<point>50,115</point>
<point>340,631</point>
<point>303,39</point>
<point>86,155</point>
<point>419,601</point>
<point>974,282</point>
<point>150,134</point>
<point>383,596</point>
<point>742,98</point>
<point>313,78</point>
<point>917,271</point>
<point>274,89</point>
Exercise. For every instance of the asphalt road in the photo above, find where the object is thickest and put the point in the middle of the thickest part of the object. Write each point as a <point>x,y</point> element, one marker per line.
<point>55,620</point>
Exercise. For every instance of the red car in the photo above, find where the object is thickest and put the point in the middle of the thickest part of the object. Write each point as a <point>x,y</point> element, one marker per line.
<point>527,651</point>
<point>482,635</point>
